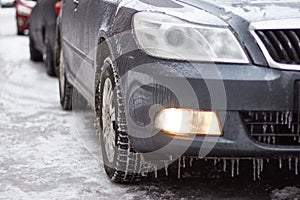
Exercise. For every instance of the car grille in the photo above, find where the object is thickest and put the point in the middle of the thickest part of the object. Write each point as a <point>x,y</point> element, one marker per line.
<point>274,128</point>
<point>282,45</point>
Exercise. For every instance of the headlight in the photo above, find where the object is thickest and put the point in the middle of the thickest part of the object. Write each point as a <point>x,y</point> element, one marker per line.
<point>188,122</point>
<point>164,36</point>
<point>24,10</point>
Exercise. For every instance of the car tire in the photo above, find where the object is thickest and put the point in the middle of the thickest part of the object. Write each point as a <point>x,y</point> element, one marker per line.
<point>65,88</point>
<point>48,59</point>
<point>121,162</point>
<point>20,32</point>
<point>35,55</point>
<point>56,55</point>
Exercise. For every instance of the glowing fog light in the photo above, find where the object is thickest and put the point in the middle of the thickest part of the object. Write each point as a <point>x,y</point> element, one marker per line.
<point>186,122</point>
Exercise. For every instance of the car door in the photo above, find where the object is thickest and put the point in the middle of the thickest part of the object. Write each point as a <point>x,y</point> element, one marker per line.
<point>88,18</point>
<point>67,33</point>
<point>73,31</point>
<point>81,27</point>
<point>100,12</point>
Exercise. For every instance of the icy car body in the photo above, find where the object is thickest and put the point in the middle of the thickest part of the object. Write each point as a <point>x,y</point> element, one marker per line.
<point>199,78</point>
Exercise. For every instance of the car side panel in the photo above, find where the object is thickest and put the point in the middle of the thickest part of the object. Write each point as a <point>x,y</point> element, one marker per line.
<point>99,14</point>
<point>42,24</point>
<point>36,26</point>
<point>67,33</point>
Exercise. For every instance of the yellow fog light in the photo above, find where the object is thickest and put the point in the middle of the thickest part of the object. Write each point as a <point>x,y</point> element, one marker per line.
<point>187,122</point>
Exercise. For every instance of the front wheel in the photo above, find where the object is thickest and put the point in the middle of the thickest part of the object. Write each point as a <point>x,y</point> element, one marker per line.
<point>48,59</point>
<point>20,32</point>
<point>65,88</point>
<point>121,162</point>
<point>35,55</point>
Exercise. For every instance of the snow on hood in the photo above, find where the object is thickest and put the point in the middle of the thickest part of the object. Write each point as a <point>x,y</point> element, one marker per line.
<point>254,10</point>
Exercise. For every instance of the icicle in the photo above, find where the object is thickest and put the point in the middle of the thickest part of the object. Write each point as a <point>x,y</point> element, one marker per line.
<point>269,140</point>
<point>237,167</point>
<point>155,171</point>
<point>265,139</point>
<point>265,116</point>
<point>191,162</point>
<point>277,117</point>
<point>272,129</point>
<point>166,168</point>
<point>271,116</point>
<point>287,114</point>
<point>265,128</point>
<point>274,140</point>
<point>280,163</point>
<point>232,167</point>
<point>282,117</point>
<point>179,166</point>
<point>258,168</point>
<point>298,126</point>
<point>224,165</point>
<point>183,161</point>
<point>296,165</point>
<point>290,119</point>
<point>250,114</point>
<point>254,170</point>
<point>290,163</point>
<point>251,128</point>
<point>215,162</point>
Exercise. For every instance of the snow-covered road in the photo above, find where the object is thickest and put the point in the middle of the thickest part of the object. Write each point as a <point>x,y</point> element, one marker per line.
<point>42,156</point>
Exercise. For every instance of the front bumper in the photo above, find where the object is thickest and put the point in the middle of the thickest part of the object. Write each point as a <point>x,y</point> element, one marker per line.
<point>22,22</point>
<point>236,142</point>
<point>227,89</point>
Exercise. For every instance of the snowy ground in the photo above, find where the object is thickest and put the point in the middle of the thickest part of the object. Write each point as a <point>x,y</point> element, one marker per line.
<point>46,153</point>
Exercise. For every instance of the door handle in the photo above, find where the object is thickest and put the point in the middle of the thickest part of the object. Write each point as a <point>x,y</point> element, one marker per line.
<point>76,3</point>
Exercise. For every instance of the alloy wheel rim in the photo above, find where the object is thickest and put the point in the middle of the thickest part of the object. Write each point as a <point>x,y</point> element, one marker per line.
<point>109,120</point>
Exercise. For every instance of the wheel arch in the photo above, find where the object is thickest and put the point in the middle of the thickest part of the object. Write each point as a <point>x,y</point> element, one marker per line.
<point>104,49</point>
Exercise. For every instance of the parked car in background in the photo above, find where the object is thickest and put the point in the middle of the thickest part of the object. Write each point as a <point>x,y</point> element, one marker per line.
<point>23,11</point>
<point>194,78</point>
<point>42,28</point>
<point>7,3</point>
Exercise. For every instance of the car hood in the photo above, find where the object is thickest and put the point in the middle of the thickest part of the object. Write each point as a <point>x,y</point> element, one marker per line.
<point>29,4</point>
<point>250,10</point>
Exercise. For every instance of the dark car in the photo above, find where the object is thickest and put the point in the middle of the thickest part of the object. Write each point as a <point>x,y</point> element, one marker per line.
<point>189,78</point>
<point>23,11</point>
<point>7,3</point>
<point>42,30</point>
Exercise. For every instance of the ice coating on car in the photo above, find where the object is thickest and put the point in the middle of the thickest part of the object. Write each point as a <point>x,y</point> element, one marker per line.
<point>258,10</point>
<point>182,11</point>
